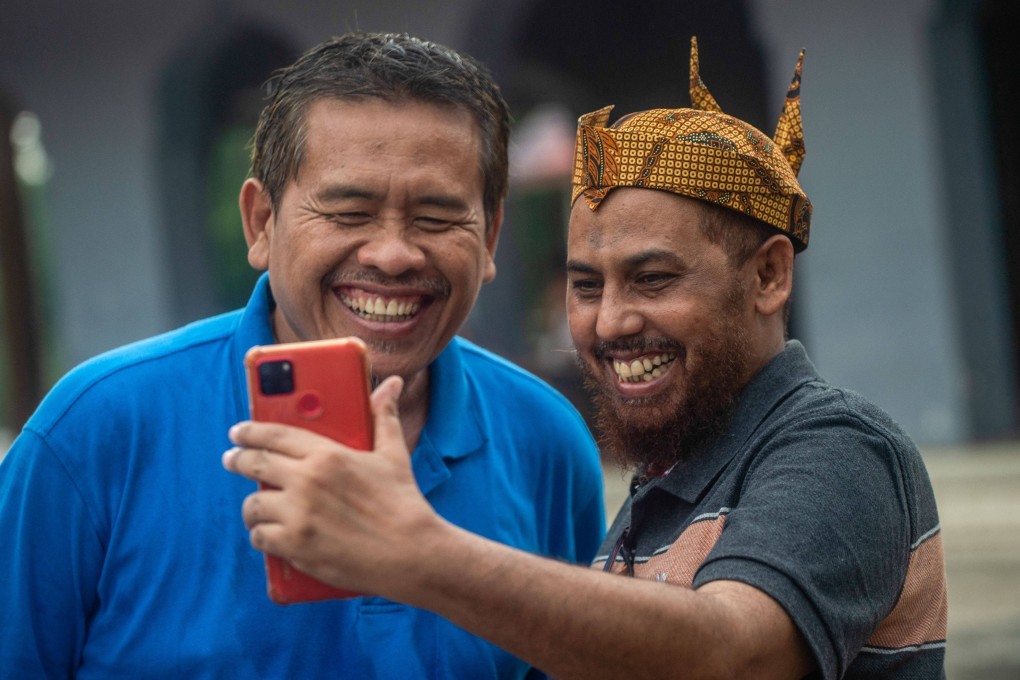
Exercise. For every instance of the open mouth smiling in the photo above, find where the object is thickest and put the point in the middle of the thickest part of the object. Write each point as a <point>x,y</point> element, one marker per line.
<point>643,369</point>
<point>380,308</point>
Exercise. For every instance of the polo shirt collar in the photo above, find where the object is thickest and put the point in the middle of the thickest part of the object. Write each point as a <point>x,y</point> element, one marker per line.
<point>453,429</point>
<point>453,424</point>
<point>786,372</point>
<point>253,328</point>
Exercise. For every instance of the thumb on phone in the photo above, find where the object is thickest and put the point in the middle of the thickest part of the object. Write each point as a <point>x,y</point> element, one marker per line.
<point>389,434</point>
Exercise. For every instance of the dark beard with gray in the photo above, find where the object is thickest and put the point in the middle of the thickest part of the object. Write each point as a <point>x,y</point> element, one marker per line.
<point>652,434</point>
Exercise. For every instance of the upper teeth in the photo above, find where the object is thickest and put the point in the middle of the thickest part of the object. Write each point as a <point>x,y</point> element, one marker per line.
<point>378,307</point>
<point>646,368</point>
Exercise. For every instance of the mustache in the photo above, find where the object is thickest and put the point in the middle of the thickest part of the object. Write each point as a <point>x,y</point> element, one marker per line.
<point>436,286</point>
<point>603,349</point>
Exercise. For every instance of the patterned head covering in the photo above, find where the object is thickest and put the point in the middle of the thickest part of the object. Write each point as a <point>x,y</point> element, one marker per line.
<point>702,153</point>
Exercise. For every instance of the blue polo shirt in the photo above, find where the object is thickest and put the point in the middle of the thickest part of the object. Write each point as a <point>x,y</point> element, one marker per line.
<point>124,550</point>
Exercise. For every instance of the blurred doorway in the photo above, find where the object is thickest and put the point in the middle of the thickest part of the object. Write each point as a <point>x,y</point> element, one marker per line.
<point>21,364</point>
<point>211,92</point>
<point>997,28</point>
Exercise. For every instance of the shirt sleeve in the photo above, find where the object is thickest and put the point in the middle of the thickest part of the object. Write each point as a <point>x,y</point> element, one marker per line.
<point>586,497</point>
<point>590,527</point>
<point>822,526</point>
<point>51,564</point>
<point>577,537</point>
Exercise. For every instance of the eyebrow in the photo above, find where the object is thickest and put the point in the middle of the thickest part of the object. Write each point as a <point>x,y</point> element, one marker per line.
<point>631,262</point>
<point>580,268</point>
<point>339,192</point>
<point>442,201</point>
<point>651,255</point>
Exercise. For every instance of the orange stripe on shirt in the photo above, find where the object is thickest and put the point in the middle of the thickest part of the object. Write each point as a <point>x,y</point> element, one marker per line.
<point>680,562</point>
<point>921,613</point>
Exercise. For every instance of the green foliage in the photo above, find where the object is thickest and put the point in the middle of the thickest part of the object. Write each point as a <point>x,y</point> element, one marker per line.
<point>227,170</point>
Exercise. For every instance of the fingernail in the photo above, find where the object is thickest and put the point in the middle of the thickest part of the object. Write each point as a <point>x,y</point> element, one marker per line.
<point>229,455</point>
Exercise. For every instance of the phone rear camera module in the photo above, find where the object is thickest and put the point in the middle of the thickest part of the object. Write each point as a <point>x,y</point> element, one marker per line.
<point>276,377</point>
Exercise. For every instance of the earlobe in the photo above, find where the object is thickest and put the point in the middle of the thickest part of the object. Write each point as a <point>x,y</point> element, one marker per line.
<point>257,217</point>
<point>774,262</point>
<point>491,241</point>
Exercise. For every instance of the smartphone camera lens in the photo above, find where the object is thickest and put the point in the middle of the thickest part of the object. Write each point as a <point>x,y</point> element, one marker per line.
<point>276,377</point>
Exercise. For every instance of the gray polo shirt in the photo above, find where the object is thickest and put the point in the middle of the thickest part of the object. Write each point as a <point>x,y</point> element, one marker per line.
<point>816,497</point>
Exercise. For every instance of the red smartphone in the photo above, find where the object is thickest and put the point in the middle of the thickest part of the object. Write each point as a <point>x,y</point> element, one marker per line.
<point>323,386</point>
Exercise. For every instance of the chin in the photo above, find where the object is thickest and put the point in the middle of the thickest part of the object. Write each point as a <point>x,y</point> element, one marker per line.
<point>660,429</point>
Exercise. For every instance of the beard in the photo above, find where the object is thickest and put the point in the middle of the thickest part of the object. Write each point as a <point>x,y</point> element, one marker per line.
<point>654,433</point>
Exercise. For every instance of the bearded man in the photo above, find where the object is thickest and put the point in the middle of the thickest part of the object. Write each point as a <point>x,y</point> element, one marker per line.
<point>778,526</point>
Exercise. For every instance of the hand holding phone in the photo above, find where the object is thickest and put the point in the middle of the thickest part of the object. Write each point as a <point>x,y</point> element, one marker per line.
<point>322,386</point>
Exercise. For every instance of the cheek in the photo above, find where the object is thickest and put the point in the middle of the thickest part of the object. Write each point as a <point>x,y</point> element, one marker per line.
<point>461,261</point>
<point>581,322</point>
<point>688,315</point>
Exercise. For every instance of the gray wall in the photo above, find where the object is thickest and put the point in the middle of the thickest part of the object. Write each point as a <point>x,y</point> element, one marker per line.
<point>874,283</point>
<point>90,71</point>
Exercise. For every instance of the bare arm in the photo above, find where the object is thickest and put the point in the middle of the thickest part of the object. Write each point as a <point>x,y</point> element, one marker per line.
<point>358,521</point>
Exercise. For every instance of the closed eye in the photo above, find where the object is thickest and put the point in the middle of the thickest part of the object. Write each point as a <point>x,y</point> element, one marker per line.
<point>350,218</point>
<point>434,223</point>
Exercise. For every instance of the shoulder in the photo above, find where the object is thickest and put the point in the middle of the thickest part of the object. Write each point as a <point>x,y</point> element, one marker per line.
<point>509,381</point>
<point>838,434</point>
<point>826,433</point>
<point>522,410</point>
<point>152,363</point>
<point>819,405</point>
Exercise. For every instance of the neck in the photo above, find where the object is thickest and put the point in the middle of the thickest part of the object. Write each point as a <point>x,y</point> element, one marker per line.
<point>414,407</point>
<point>771,342</point>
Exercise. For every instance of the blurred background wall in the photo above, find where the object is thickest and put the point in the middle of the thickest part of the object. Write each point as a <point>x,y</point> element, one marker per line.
<point>128,121</point>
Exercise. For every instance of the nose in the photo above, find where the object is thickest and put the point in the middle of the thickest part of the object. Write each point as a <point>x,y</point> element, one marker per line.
<point>390,251</point>
<point>617,318</point>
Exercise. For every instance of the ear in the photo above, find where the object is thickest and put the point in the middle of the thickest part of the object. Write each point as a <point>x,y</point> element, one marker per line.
<point>773,264</point>
<point>491,241</point>
<point>257,217</point>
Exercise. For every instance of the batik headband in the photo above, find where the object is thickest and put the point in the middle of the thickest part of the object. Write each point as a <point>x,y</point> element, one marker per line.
<point>702,153</point>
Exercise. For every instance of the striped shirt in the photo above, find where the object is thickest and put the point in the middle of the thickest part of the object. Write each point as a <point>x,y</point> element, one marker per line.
<point>816,497</point>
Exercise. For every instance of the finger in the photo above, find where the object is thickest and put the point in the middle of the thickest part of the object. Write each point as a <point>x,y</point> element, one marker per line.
<point>288,440</point>
<point>260,465</point>
<point>268,538</point>
<point>389,433</point>
<point>263,507</point>
<point>265,517</point>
